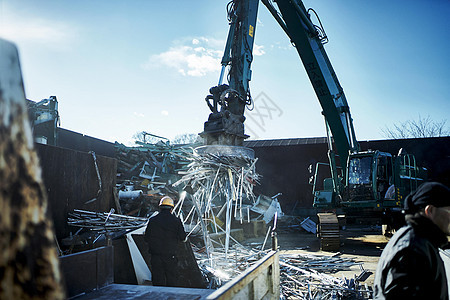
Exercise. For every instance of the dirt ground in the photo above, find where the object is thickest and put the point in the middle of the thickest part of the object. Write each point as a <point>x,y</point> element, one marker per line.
<point>362,244</point>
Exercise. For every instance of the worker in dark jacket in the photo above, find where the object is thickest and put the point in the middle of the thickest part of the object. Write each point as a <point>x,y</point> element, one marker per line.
<point>162,235</point>
<point>410,266</point>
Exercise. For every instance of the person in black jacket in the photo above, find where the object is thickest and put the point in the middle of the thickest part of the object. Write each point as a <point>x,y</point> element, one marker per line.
<point>162,235</point>
<point>410,266</point>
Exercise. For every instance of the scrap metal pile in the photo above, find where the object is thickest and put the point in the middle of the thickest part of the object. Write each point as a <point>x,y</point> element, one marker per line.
<point>306,276</point>
<point>104,222</point>
<point>212,190</point>
<point>221,190</point>
<point>146,173</point>
<point>94,228</point>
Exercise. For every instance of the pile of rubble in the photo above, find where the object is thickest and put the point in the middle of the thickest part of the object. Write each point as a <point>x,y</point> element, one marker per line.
<point>307,276</point>
<point>104,222</point>
<point>212,190</point>
<point>93,229</point>
<point>146,173</point>
<point>221,190</point>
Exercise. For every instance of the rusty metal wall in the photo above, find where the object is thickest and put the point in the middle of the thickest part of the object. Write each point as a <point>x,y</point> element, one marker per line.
<point>87,271</point>
<point>285,168</point>
<point>80,142</point>
<point>71,181</point>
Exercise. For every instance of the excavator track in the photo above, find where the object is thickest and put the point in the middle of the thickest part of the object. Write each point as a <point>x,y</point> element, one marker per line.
<point>328,232</point>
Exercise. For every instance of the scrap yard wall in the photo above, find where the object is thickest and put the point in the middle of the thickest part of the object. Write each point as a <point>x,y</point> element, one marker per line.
<point>71,182</point>
<point>80,142</point>
<point>284,164</point>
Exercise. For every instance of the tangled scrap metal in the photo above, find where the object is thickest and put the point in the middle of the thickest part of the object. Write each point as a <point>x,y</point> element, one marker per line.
<point>218,184</point>
<point>305,276</point>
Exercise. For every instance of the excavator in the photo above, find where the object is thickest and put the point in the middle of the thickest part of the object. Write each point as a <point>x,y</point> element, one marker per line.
<point>364,183</point>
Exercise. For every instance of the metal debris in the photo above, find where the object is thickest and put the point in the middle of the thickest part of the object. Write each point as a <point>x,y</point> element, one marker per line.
<point>155,162</point>
<point>225,267</point>
<point>309,225</point>
<point>44,120</point>
<point>146,173</point>
<point>306,276</point>
<point>267,207</point>
<point>102,222</point>
<point>219,185</point>
<point>97,228</point>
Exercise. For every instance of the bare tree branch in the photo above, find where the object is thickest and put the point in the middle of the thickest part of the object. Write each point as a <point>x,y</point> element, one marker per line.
<point>184,138</point>
<point>187,138</point>
<point>421,128</point>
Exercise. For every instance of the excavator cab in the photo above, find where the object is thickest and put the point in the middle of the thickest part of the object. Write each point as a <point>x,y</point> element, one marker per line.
<point>367,179</point>
<point>364,184</point>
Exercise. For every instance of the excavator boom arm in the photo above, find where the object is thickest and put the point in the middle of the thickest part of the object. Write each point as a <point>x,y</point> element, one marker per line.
<point>227,101</point>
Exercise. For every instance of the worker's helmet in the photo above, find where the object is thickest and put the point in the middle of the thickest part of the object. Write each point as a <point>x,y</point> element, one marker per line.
<point>166,201</point>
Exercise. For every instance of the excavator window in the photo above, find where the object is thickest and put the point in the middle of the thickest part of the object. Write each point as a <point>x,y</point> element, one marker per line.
<point>382,176</point>
<point>360,170</point>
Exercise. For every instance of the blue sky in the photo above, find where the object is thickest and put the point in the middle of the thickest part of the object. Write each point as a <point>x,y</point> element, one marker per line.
<point>119,67</point>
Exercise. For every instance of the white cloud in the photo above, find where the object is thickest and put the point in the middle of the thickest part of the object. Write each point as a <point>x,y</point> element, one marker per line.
<point>284,46</point>
<point>141,115</point>
<point>26,28</point>
<point>258,50</point>
<point>198,60</point>
<point>164,113</point>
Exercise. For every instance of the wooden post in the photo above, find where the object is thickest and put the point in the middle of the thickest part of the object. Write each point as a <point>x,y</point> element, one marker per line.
<point>29,262</point>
